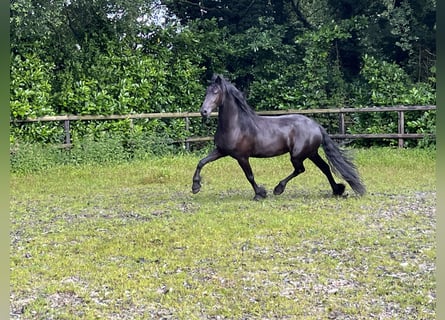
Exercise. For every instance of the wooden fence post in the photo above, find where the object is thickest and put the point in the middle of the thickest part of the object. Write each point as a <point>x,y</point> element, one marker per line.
<point>342,123</point>
<point>66,126</point>
<point>187,127</point>
<point>401,127</point>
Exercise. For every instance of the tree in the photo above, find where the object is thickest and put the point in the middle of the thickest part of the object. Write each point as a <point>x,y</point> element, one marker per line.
<point>116,56</point>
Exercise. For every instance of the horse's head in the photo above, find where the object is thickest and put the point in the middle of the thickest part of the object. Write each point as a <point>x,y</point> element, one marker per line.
<point>214,96</point>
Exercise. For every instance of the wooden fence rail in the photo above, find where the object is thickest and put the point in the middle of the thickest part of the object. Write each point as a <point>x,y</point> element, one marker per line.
<point>400,135</point>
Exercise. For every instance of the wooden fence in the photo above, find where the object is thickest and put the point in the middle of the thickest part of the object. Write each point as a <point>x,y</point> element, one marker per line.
<point>400,135</point>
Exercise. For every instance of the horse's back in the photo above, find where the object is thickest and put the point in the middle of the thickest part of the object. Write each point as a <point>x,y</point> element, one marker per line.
<point>297,124</point>
<point>287,133</point>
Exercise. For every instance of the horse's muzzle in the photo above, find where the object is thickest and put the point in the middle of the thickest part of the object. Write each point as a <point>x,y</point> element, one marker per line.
<point>205,113</point>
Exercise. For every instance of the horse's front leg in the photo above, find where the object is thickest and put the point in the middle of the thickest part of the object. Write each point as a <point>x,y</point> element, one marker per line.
<point>214,155</point>
<point>260,192</point>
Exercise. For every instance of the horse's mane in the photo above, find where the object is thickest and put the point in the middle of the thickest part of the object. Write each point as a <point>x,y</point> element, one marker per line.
<point>238,96</point>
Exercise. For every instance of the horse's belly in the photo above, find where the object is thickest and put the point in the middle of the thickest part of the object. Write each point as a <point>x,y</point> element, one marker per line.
<point>270,147</point>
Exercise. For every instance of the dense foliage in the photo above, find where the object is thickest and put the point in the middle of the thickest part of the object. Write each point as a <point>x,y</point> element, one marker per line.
<point>119,57</point>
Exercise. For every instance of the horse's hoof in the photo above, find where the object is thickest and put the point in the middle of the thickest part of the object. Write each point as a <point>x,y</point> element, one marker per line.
<point>196,188</point>
<point>261,194</point>
<point>339,190</point>
<point>279,189</point>
<point>258,197</point>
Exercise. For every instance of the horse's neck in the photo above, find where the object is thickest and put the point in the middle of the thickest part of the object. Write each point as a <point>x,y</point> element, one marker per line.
<point>228,115</point>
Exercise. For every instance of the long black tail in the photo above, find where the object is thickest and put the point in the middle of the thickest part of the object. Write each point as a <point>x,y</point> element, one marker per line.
<point>341,163</point>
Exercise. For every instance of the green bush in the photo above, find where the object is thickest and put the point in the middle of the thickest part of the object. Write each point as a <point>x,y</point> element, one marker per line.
<point>30,87</point>
<point>28,157</point>
<point>116,81</point>
<point>387,84</point>
<point>30,97</point>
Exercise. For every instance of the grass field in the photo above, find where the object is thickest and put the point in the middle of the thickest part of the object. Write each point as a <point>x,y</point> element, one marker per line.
<point>130,241</point>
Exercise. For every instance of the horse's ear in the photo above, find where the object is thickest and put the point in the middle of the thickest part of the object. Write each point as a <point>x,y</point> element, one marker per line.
<point>218,79</point>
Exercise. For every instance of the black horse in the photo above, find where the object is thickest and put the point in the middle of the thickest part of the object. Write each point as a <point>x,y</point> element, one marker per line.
<point>241,133</point>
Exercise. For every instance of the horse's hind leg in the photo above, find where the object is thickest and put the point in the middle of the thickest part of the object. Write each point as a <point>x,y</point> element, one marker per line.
<point>337,188</point>
<point>298,168</point>
<point>214,155</point>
